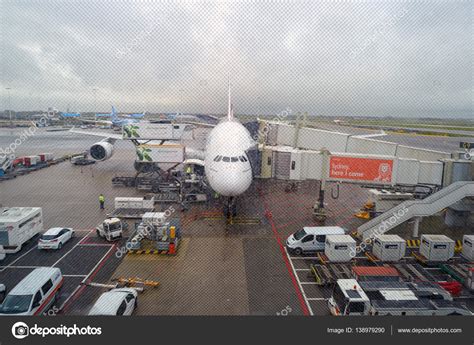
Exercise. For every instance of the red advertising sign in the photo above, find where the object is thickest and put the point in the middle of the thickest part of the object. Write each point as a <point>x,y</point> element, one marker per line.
<point>361,169</point>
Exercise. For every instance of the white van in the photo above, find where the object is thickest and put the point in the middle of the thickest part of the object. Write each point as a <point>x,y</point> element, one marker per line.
<point>311,238</point>
<point>35,294</point>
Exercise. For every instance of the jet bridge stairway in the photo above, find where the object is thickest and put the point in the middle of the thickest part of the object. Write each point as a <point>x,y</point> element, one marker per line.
<point>417,208</point>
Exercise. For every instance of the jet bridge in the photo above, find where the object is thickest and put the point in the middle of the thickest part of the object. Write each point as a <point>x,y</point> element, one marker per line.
<point>287,163</point>
<point>275,133</point>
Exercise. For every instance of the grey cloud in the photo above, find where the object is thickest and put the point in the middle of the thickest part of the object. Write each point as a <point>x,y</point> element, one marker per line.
<point>330,58</point>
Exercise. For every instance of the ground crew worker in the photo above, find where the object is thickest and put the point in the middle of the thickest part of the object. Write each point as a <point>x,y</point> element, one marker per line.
<point>189,170</point>
<point>101,201</point>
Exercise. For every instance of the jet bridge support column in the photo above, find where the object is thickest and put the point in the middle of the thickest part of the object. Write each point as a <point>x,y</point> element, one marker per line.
<point>416,226</point>
<point>319,211</point>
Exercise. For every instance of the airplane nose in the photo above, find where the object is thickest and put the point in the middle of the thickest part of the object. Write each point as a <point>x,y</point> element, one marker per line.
<point>230,182</point>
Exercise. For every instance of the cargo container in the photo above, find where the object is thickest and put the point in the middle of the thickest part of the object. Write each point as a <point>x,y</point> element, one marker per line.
<point>437,248</point>
<point>46,157</point>
<point>468,247</point>
<point>154,218</point>
<point>18,225</point>
<point>19,161</point>
<point>389,247</point>
<point>153,131</point>
<point>31,160</point>
<point>132,202</point>
<point>340,248</point>
<point>169,153</point>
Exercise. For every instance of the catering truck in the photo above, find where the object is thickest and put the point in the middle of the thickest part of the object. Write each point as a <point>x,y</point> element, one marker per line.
<point>351,297</point>
<point>17,226</point>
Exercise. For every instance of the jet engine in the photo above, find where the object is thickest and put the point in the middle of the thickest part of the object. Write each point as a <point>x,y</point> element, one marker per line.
<point>102,150</point>
<point>468,155</point>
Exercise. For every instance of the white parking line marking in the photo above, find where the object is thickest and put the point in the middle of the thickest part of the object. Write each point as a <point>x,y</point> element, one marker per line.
<point>303,257</point>
<point>299,283</point>
<point>98,263</point>
<point>95,245</point>
<point>309,283</point>
<point>77,244</point>
<point>85,278</point>
<point>16,260</point>
<point>74,275</point>
<point>317,299</point>
<point>61,307</point>
<point>5,267</point>
<point>302,269</point>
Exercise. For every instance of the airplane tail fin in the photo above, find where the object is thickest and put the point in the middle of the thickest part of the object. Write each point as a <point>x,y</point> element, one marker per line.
<point>114,114</point>
<point>230,110</point>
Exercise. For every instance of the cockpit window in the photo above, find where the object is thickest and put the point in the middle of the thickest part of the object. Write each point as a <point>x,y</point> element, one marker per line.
<point>234,159</point>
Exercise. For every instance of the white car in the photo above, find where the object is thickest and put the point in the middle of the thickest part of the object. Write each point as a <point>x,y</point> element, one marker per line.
<point>118,302</point>
<point>55,238</point>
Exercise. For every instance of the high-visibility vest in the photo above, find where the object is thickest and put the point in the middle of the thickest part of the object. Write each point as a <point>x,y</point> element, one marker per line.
<point>101,198</point>
<point>189,170</point>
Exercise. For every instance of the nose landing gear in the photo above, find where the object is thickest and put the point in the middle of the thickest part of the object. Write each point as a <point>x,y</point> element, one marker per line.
<point>230,209</point>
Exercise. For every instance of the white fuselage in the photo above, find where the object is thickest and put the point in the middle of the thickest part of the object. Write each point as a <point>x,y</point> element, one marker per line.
<point>227,166</point>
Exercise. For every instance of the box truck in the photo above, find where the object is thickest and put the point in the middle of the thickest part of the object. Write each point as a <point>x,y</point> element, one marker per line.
<point>18,225</point>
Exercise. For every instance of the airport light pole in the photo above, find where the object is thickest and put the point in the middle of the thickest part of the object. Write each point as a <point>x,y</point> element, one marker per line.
<point>10,105</point>
<point>181,98</point>
<point>95,103</point>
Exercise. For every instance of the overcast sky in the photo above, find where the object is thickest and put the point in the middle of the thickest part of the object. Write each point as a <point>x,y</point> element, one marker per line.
<point>382,58</point>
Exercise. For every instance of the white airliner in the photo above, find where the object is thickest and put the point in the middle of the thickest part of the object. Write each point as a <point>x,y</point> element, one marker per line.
<point>226,163</point>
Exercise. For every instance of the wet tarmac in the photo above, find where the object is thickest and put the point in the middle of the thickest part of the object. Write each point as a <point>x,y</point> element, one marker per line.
<point>220,269</point>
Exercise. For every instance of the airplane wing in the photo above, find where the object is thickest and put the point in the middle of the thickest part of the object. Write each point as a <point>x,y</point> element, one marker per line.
<point>199,124</point>
<point>98,134</point>
<point>103,122</point>
<point>209,118</point>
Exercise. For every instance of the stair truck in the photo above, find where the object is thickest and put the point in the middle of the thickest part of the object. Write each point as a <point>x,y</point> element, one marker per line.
<point>350,297</point>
